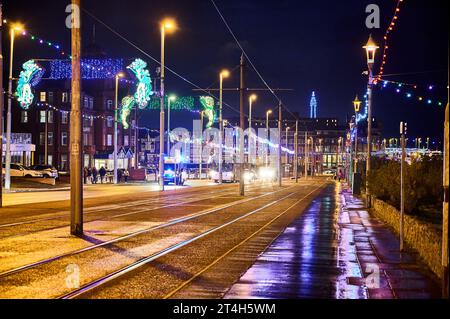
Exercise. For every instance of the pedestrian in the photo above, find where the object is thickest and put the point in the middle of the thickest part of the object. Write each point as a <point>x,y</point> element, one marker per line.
<point>102,173</point>
<point>85,175</point>
<point>119,175</point>
<point>94,175</point>
<point>126,174</point>
<point>89,175</point>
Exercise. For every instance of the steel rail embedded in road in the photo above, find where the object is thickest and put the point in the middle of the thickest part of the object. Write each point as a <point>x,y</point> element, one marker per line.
<point>152,257</point>
<point>134,234</point>
<point>117,206</point>
<point>187,282</point>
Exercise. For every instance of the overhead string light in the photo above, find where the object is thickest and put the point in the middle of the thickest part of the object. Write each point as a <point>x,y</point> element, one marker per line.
<point>389,30</point>
<point>410,91</point>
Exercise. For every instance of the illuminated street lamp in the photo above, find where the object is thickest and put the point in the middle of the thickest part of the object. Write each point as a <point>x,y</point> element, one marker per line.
<point>371,49</point>
<point>16,27</point>
<point>287,144</point>
<point>223,75</point>
<point>172,98</point>
<point>167,25</point>
<point>267,135</point>
<point>116,119</point>
<point>356,106</point>
<point>251,99</point>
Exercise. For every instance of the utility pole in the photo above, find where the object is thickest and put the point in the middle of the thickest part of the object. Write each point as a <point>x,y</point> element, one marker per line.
<point>445,247</point>
<point>1,104</point>
<point>403,128</point>
<point>296,152</point>
<point>76,146</point>
<point>242,126</point>
<point>280,178</point>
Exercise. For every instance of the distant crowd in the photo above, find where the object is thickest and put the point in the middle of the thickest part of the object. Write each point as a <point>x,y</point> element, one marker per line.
<point>93,176</point>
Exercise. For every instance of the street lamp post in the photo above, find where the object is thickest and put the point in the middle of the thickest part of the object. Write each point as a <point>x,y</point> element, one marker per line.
<point>371,49</point>
<point>224,74</point>
<point>251,99</point>
<point>287,144</point>
<point>168,25</point>
<point>267,136</point>
<point>356,106</point>
<point>116,119</point>
<point>171,98</point>
<point>14,28</point>
<point>202,114</point>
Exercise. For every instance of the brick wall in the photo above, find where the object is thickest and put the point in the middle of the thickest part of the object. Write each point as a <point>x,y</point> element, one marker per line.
<point>423,238</point>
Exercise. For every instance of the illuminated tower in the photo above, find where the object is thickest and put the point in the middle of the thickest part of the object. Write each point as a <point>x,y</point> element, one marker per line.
<point>313,106</point>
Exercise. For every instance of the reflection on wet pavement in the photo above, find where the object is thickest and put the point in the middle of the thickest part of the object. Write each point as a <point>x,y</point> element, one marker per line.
<point>335,250</point>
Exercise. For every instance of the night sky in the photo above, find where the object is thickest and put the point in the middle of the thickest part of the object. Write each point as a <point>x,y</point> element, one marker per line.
<point>296,44</point>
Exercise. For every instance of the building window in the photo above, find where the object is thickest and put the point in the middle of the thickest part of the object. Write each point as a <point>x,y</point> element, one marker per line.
<point>50,116</point>
<point>91,103</point>
<point>109,104</point>
<point>42,116</point>
<point>65,97</point>
<point>109,140</point>
<point>50,97</point>
<point>63,165</point>
<point>64,117</point>
<point>126,140</point>
<point>41,138</point>
<point>50,160</point>
<point>43,97</point>
<point>109,121</point>
<point>50,138</point>
<point>86,102</point>
<point>64,138</point>
<point>24,117</point>
<point>85,139</point>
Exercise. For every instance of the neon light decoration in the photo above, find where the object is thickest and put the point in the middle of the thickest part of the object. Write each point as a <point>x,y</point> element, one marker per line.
<point>144,86</point>
<point>91,69</point>
<point>208,108</point>
<point>128,103</point>
<point>29,77</point>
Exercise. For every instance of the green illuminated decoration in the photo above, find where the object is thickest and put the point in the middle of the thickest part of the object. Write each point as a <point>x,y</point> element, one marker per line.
<point>144,86</point>
<point>208,108</point>
<point>29,77</point>
<point>128,103</point>
<point>186,103</point>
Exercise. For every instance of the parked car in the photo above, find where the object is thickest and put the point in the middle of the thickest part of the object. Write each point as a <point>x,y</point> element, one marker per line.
<point>18,170</point>
<point>47,171</point>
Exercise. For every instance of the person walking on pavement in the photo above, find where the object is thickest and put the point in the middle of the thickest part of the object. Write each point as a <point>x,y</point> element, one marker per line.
<point>94,175</point>
<point>102,173</point>
<point>126,174</point>
<point>85,175</point>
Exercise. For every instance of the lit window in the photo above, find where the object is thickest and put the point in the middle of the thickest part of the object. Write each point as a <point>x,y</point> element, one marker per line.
<point>109,140</point>
<point>109,121</point>
<point>64,117</point>
<point>24,117</point>
<point>65,97</point>
<point>42,116</point>
<point>64,138</point>
<point>43,97</point>
<point>50,116</point>
<point>50,138</point>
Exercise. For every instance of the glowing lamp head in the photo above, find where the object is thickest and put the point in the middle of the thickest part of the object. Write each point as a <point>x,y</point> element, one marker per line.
<point>371,49</point>
<point>172,98</point>
<point>224,74</point>
<point>253,97</point>
<point>169,25</point>
<point>120,75</point>
<point>17,27</point>
<point>269,112</point>
<point>357,104</point>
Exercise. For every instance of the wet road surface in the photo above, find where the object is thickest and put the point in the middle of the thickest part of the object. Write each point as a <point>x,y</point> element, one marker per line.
<point>335,250</point>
